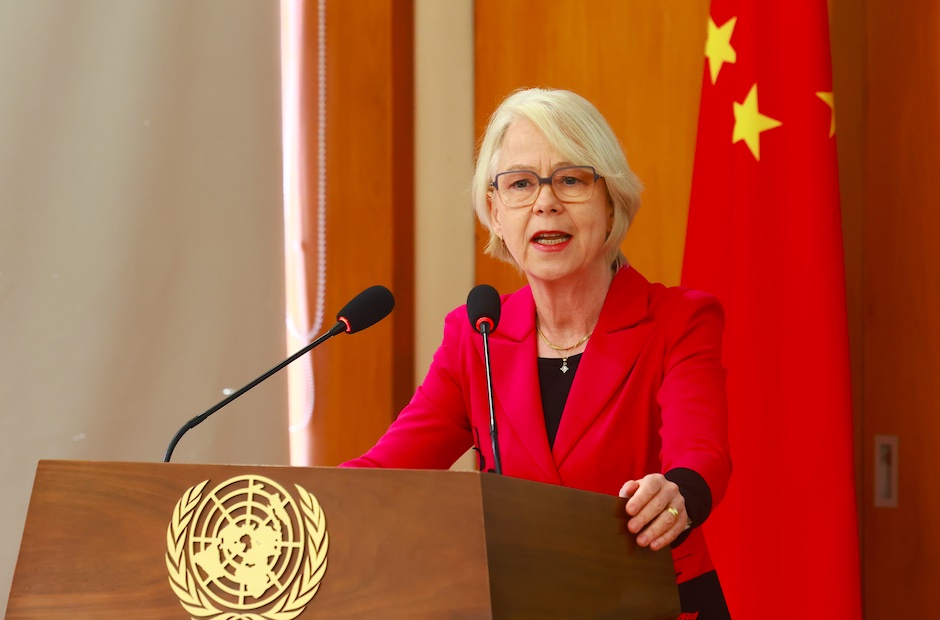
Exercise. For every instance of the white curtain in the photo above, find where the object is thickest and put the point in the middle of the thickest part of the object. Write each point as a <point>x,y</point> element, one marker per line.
<point>141,235</point>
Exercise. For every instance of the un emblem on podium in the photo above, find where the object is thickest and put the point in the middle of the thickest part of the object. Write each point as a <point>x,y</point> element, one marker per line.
<point>246,551</point>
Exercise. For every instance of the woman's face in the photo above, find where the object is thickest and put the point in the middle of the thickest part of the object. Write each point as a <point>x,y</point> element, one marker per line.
<point>550,240</point>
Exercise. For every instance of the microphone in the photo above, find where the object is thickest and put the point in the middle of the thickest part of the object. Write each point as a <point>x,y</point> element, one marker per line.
<point>483,307</point>
<point>364,310</point>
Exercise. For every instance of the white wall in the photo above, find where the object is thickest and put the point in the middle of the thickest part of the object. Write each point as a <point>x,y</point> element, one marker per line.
<point>141,259</point>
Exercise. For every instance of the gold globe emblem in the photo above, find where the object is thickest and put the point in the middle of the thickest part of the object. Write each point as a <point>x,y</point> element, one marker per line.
<point>246,547</point>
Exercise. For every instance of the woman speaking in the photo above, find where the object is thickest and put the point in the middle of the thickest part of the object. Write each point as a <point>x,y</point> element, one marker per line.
<point>602,380</point>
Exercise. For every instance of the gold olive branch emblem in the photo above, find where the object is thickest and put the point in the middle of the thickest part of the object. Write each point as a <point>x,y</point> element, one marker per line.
<point>286,607</point>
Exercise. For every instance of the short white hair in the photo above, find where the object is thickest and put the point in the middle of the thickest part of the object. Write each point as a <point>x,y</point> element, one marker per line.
<point>574,128</point>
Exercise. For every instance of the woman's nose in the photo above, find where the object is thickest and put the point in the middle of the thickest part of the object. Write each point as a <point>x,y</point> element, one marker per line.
<point>545,200</point>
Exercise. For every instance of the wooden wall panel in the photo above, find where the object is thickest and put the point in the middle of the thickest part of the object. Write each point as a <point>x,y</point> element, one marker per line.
<point>363,380</point>
<point>640,62</point>
<point>902,303</point>
<point>847,34</point>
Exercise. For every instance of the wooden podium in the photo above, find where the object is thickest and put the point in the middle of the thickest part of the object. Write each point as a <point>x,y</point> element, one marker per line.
<point>106,540</point>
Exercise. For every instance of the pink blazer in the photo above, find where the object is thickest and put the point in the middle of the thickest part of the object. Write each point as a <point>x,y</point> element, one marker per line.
<point>649,396</point>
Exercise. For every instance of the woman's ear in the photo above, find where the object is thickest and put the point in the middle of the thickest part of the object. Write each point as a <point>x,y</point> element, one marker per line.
<point>495,225</point>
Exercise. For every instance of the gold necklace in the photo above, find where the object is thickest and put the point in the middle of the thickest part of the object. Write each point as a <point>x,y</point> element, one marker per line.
<point>564,358</point>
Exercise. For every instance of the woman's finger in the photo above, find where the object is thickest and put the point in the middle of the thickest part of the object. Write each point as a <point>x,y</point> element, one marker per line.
<point>665,528</point>
<point>652,506</point>
<point>646,488</point>
<point>629,488</point>
<point>666,538</point>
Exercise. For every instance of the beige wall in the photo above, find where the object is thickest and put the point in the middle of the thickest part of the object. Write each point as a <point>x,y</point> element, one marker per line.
<point>141,260</point>
<point>444,142</point>
<point>444,150</point>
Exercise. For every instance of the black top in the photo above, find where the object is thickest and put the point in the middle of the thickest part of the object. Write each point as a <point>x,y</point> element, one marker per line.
<point>555,386</point>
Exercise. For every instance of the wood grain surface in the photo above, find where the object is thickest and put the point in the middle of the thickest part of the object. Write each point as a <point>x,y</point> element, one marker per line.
<point>402,544</point>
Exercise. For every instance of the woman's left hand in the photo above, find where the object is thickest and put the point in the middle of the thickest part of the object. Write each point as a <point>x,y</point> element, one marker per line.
<point>657,510</point>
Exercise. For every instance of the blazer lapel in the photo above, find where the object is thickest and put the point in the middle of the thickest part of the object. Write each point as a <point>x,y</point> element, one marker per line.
<point>613,349</point>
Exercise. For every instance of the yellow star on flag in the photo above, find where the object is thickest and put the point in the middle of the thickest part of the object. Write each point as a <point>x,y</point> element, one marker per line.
<point>831,102</point>
<point>749,123</point>
<point>718,48</point>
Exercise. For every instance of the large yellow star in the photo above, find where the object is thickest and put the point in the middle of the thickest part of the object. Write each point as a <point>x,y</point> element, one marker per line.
<point>749,123</point>
<point>831,102</point>
<point>718,48</point>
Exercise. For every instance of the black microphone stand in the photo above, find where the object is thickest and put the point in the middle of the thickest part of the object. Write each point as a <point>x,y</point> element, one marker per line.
<point>485,331</point>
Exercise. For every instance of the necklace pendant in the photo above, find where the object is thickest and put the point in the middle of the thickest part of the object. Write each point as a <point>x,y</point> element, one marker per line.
<point>564,364</point>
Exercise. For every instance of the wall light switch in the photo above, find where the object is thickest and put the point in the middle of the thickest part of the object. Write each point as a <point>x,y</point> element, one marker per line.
<point>886,471</point>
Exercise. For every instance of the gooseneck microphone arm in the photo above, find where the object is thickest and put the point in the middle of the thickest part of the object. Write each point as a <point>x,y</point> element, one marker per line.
<point>366,309</point>
<point>199,419</point>
<point>494,434</point>
<point>483,310</point>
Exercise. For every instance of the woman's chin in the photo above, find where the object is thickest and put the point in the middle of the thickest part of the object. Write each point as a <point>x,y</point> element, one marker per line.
<point>549,271</point>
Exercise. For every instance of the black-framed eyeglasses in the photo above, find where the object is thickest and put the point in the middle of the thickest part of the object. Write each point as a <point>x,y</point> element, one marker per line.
<point>520,188</point>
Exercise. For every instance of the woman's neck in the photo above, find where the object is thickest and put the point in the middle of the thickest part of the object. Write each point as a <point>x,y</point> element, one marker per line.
<point>568,309</point>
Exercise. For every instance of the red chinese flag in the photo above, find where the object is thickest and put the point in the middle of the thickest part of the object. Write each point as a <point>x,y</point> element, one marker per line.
<point>765,236</point>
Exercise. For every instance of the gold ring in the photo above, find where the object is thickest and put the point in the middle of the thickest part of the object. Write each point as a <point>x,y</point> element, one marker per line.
<point>673,512</point>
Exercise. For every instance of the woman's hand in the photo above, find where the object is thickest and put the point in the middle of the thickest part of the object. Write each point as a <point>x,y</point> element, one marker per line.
<point>657,510</point>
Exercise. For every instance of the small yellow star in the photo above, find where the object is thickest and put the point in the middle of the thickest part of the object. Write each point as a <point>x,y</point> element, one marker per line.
<point>831,102</point>
<point>749,123</point>
<point>718,48</point>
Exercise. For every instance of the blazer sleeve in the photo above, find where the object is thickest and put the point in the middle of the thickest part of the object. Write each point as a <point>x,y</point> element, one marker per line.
<point>693,397</point>
<point>433,431</point>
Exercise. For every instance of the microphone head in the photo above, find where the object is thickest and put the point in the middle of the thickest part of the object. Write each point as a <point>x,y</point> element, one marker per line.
<point>366,309</point>
<point>483,307</point>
